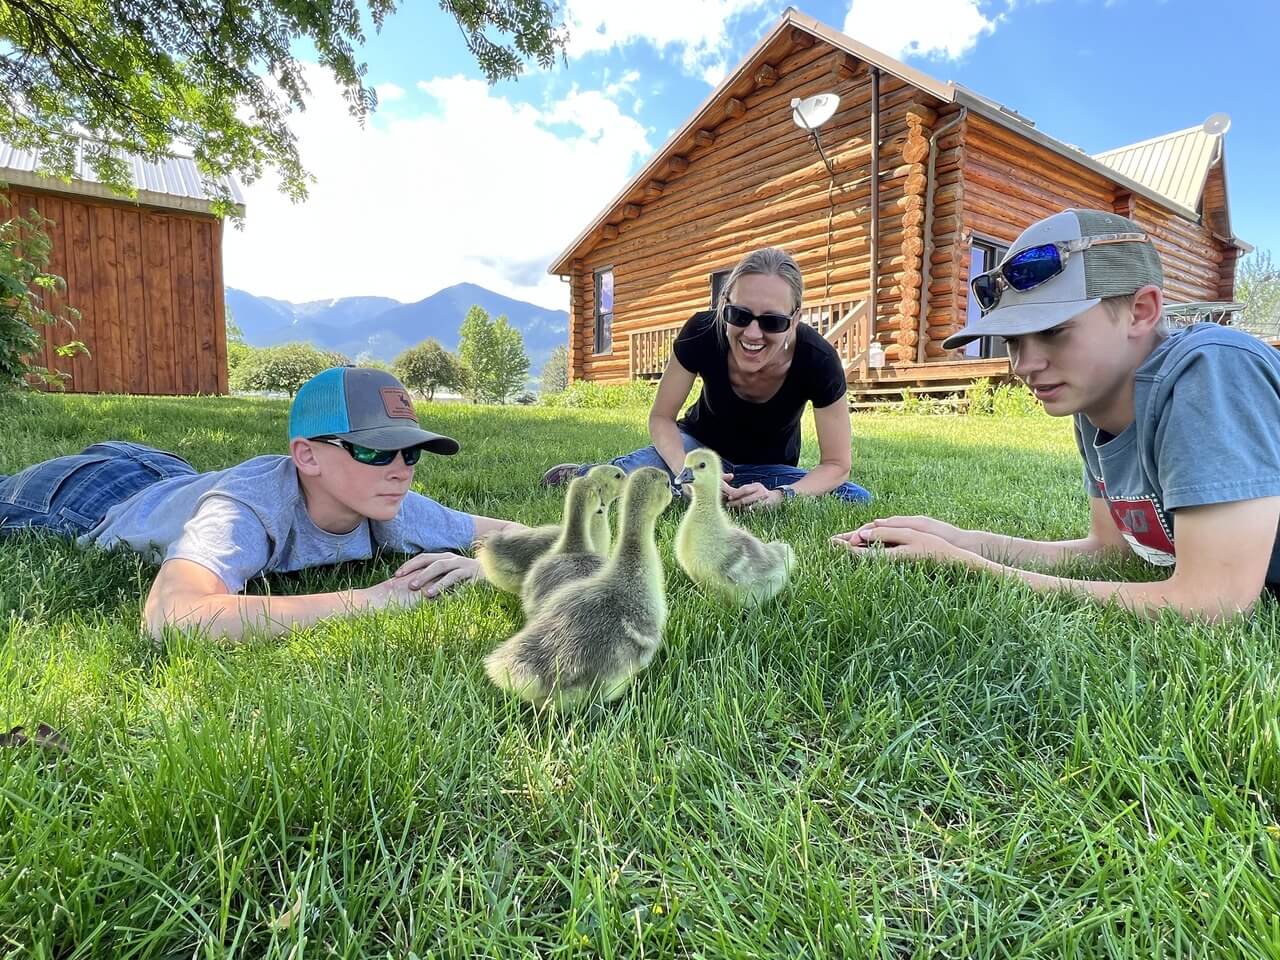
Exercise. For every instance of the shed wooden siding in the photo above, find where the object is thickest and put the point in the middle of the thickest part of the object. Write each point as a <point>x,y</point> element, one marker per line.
<point>761,182</point>
<point>148,285</point>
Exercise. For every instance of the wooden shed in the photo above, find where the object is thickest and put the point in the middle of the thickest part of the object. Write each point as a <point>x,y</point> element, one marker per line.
<point>145,274</point>
<point>886,238</point>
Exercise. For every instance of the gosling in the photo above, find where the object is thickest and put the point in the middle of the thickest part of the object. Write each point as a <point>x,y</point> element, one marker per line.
<point>571,557</point>
<point>608,480</point>
<point>506,555</point>
<point>716,553</point>
<point>589,639</point>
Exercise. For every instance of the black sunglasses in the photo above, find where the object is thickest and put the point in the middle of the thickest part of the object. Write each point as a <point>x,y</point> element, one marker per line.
<point>370,455</point>
<point>1029,268</point>
<point>769,322</point>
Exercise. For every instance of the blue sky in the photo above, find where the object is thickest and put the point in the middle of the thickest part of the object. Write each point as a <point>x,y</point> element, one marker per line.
<point>454,180</point>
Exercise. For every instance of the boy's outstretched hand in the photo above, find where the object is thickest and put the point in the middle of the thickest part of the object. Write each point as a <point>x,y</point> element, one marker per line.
<point>433,573</point>
<point>907,537</point>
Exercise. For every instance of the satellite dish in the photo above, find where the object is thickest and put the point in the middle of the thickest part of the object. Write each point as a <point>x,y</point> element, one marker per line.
<point>1217,124</point>
<point>812,112</point>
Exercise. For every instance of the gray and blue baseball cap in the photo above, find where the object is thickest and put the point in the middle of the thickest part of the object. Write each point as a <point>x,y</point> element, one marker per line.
<point>362,405</point>
<point>1098,272</point>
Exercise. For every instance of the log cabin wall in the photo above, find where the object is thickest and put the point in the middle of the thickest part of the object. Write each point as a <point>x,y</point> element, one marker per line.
<point>750,178</point>
<point>746,177</point>
<point>148,285</point>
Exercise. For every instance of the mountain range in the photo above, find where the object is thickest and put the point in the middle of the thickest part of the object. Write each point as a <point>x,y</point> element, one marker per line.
<point>381,327</point>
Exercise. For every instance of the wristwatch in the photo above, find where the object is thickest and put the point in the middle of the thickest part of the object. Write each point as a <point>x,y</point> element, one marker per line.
<point>788,492</point>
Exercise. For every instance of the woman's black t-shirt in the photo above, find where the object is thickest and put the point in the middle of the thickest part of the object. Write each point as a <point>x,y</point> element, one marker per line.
<point>742,431</point>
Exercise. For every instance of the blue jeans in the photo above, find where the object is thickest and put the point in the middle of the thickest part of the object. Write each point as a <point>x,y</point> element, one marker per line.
<point>69,495</point>
<point>769,475</point>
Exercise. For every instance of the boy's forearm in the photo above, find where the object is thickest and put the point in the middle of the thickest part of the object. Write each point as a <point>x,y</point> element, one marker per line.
<point>1147,599</point>
<point>1005,549</point>
<point>231,616</point>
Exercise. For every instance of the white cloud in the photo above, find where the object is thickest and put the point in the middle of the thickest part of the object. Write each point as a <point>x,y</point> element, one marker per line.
<point>698,29</point>
<point>940,29</point>
<point>624,84</point>
<point>388,92</point>
<point>477,189</point>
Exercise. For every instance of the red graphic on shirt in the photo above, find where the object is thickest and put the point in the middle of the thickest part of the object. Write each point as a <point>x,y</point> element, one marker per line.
<point>1143,525</point>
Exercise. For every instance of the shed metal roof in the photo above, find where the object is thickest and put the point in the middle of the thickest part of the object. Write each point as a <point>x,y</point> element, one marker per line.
<point>174,183</point>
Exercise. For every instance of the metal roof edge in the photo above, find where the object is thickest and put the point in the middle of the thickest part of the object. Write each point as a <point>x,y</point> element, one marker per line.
<point>90,188</point>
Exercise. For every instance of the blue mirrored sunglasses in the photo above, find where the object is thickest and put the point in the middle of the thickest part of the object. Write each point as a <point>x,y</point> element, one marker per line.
<point>1032,266</point>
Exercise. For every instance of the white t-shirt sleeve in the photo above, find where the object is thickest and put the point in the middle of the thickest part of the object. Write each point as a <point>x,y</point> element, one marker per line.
<point>225,537</point>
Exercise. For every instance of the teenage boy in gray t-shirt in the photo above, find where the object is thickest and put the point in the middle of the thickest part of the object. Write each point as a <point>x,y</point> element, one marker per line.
<point>1180,432</point>
<point>341,494</point>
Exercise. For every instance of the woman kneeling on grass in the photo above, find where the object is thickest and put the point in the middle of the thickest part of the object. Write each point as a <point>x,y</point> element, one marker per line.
<point>759,368</point>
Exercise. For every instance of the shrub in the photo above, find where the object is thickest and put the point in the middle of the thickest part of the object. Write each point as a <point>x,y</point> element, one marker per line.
<point>282,369</point>
<point>584,394</point>
<point>24,253</point>
<point>1015,400</point>
<point>978,397</point>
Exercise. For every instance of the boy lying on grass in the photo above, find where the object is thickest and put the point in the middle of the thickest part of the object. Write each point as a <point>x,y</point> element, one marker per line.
<point>1180,432</point>
<point>341,494</point>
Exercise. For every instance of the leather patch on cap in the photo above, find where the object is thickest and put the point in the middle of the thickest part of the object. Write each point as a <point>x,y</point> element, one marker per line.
<point>397,404</point>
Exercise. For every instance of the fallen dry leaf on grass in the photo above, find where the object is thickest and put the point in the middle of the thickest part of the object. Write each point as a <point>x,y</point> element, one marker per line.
<point>46,737</point>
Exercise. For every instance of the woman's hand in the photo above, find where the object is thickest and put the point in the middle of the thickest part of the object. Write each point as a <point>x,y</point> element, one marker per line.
<point>433,573</point>
<point>753,496</point>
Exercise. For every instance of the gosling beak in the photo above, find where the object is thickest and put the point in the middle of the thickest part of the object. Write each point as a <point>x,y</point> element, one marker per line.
<point>686,476</point>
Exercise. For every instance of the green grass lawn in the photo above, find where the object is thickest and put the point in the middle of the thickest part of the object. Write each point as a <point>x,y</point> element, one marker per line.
<point>889,761</point>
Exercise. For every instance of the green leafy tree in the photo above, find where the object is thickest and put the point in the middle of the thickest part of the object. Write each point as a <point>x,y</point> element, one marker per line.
<point>237,349</point>
<point>511,365</point>
<point>477,352</point>
<point>24,253</point>
<point>493,354</point>
<point>113,78</point>
<point>1258,288</point>
<point>283,368</point>
<point>219,77</point>
<point>428,367</point>
<point>555,372</point>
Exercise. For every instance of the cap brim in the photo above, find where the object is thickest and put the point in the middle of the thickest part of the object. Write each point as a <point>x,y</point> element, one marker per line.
<point>1016,320</point>
<point>397,437</point>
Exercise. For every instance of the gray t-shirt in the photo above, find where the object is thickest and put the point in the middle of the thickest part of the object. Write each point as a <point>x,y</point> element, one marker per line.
<point>1206,430</point>
<point>252,519</point>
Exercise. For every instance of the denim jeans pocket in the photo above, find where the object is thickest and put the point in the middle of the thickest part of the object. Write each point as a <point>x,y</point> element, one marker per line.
<point>36,487</point>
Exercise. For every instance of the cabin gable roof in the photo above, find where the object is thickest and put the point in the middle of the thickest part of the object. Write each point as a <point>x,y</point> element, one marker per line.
<point>711,110</point>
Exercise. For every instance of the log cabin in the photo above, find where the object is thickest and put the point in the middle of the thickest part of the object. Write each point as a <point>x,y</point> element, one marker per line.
<point>144,273</point>
<point>886,237</point>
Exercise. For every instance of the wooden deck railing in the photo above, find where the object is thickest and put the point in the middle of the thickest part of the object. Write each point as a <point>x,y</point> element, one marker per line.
<point>650,350</point>
<point>842,322</point>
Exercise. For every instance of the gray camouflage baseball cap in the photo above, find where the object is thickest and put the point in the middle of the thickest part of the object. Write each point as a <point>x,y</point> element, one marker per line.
<point>1089,276</point>
<point>364,406</point>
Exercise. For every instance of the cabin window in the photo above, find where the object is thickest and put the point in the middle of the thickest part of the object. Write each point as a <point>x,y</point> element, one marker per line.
<point>718,279</point>
<point>604,310</point>
<point>983,255</point>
